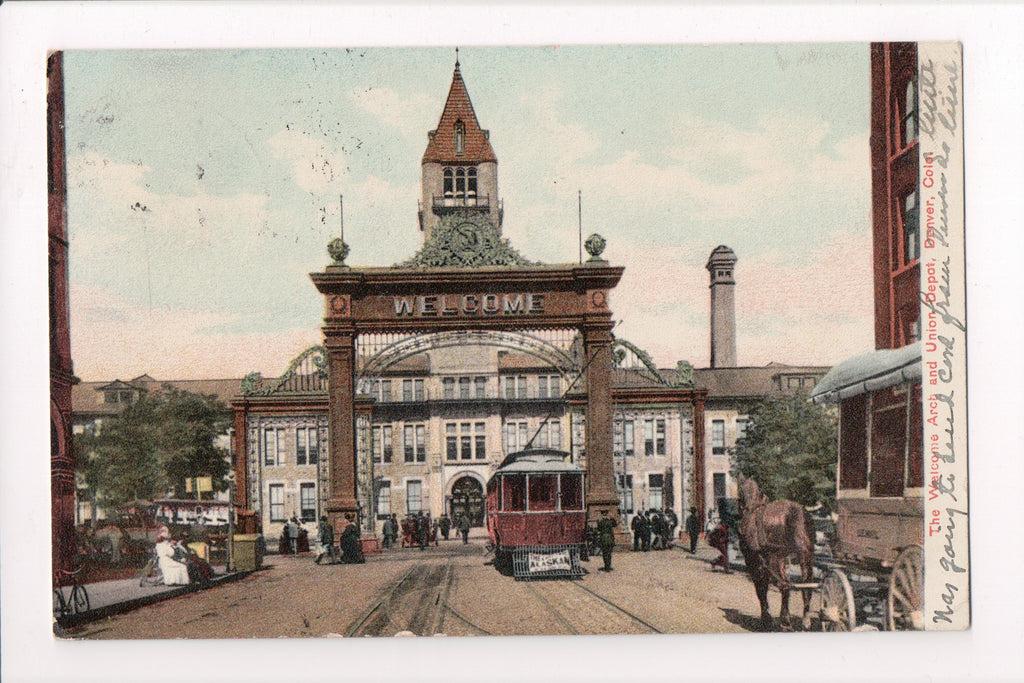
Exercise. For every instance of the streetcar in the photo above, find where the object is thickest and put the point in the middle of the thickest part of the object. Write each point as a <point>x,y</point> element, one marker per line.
<point>536,514</point>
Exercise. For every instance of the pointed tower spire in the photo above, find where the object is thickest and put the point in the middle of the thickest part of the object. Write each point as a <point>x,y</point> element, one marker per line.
<point>458,137</point>
<point>460,169</point>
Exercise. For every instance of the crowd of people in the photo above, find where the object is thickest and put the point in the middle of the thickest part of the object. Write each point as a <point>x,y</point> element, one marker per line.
<point>654,529</point>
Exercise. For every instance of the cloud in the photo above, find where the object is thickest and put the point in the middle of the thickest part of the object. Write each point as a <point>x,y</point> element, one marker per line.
<point>783,168</point>
<point>409,115</point>
<point>112,337</point>
<point>317,167</point>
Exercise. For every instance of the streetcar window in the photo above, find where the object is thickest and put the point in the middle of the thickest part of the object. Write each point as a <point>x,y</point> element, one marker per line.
<point>512,489</point>
<point>572,492</point>
<point>542,492</point>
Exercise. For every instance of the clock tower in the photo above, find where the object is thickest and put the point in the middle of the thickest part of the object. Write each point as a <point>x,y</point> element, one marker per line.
<point>460,170</point>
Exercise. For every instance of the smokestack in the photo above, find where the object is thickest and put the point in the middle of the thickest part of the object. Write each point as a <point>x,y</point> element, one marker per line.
<point>723,307</point>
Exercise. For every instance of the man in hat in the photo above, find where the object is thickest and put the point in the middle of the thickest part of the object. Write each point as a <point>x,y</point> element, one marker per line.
<point>606,538</point>
<point>692,529</point>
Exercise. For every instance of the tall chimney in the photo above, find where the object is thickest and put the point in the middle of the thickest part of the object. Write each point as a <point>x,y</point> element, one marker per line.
<point>723,307</point>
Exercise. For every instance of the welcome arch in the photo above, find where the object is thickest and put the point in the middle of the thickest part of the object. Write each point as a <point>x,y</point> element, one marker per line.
<point>481,302</point>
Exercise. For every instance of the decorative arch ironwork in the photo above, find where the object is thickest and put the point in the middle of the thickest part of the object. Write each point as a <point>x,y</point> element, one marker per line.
<point>631,358</point>
<point>307,373</point>
<point>565,360</point>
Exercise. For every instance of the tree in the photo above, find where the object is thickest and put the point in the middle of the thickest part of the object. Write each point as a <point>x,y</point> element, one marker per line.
<point>789,449</point>
<point>153,446</point>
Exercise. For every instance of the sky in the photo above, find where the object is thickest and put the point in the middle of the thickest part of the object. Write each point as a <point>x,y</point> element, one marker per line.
<point>204,185</point>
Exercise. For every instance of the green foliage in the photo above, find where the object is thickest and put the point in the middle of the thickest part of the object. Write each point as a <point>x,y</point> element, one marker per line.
<point>790,450</point>
<point>153,446</point>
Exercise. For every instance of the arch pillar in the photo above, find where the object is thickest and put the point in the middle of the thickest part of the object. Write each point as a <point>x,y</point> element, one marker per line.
<point>339,341</point>
<point>597,345</point>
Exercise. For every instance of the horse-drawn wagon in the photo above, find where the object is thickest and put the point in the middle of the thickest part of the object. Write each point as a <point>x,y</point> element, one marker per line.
<point>874,574</point>
<point>870,572</point>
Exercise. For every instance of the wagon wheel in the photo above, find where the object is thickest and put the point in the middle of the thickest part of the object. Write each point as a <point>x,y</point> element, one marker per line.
<point>838,611</point>
<point>905,604</point>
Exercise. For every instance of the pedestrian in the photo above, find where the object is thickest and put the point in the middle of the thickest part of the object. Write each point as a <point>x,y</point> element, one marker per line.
<point>351,550</point>
<point>634,526</point>
<point>293,534</point>
<point>388,539</point>
<point>394,529</point>
<point>645,532</point>
<point>606,538</point>
<point>672,522</point>
<point>464,528</point>
<point>284,543</point>
<point>692,529</point>
<point>422,530</point>
<point>719,540</point>
<point>325,536</point>
<point>446,526</point>
<point>657,530</point>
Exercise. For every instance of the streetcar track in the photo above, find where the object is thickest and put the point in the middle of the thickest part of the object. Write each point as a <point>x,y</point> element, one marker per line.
<point>421,593</point>
<point>580,610</point>
<point>467,622</point>
<point>624,612</point>
<point>551,608</point>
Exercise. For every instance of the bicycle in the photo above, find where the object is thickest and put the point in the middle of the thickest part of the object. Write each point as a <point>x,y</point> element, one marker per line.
<point>75,603</point>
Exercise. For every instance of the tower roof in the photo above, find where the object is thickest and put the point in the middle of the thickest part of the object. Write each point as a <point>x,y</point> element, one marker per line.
<point>476,147</point>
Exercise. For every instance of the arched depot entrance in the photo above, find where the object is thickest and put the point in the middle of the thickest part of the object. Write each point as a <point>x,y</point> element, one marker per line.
<point>467,498</point>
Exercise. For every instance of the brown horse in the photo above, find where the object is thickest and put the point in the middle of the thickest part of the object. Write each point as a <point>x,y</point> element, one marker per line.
<point>770,534</point>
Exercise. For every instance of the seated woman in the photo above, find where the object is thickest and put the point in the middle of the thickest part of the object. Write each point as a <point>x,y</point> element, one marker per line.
<point>175,573</point>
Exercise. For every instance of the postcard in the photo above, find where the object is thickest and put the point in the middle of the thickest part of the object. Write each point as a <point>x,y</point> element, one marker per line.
<point>495,341</point>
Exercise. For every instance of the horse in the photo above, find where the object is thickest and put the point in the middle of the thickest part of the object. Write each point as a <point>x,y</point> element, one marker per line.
<point>770,533</point>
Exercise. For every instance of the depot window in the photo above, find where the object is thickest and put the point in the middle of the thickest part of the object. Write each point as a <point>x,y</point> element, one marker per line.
<point>273,447</point>
<point>384,499</point>
<point>413,496</point>
<point>307,502</point>
<point>718,437</point>
<point>414,443</point>
<point>276,497</point>
<point>306,448</point>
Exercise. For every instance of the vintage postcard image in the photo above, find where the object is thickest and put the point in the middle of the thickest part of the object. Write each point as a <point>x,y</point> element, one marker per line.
<point>495,341</point>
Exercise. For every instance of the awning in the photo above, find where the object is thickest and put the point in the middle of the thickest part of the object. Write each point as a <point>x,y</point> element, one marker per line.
<point>868,372</point>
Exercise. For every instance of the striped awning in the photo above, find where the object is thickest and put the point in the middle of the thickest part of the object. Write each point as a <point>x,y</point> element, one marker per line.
<point>868,372</point>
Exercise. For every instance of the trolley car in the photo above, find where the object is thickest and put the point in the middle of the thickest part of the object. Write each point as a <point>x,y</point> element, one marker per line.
<point>874,570</point>
<point>536,514</point>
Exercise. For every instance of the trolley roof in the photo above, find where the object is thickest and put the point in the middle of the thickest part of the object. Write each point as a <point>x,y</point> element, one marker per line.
<point>538,460</point>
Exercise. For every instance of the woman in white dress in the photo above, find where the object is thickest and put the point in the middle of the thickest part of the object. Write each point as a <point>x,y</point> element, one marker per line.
<point>175,573</point>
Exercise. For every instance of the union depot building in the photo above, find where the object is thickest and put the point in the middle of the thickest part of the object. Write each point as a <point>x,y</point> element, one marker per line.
<point>433,370</point>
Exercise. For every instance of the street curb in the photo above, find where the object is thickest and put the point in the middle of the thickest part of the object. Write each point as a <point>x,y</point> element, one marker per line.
<point>61,625</point>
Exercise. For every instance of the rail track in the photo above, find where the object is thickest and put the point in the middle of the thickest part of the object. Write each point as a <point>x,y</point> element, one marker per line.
<point>582,611</point>
<point>416,603</point>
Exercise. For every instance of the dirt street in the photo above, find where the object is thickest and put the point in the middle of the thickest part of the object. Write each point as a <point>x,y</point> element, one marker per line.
<point>454,590</point>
